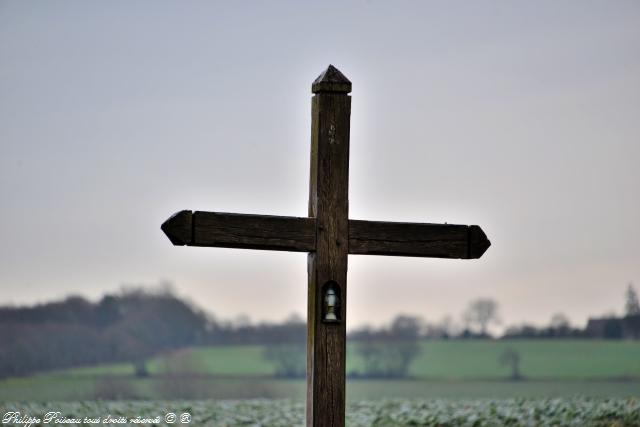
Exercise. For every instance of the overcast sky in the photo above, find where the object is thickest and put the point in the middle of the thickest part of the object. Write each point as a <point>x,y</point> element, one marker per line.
<point>522,117</point>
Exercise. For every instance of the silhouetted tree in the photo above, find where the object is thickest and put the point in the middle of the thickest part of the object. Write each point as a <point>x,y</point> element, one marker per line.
<point>511,357</point>
<point>631,306</point>
<point>387,359</point>
<point>404,327</point>
<point>130,326</point>
<point>559,326</point>
<point>388,352</point>
<point>481,312</point>
<point>559,321</point>
<point>107,311</point>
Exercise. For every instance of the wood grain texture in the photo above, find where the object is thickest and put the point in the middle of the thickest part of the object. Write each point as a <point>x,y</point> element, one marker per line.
<point>416,239</point>
<point>328,203</point>
<point>328,236</point>
<point>229,230</point>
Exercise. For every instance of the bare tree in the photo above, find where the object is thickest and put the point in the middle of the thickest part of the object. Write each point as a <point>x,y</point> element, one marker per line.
<point>559,321</point>
<point>631,306</point>
<point>406,327</point>
<point>438,330</point>
<point>481,312</point>
<point>387,359</point>
<point>388,352</point>
<point>447,326</point>
<point>511,358</point>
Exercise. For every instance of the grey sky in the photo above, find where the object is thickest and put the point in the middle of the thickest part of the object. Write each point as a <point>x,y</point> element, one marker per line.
<point>522,117</point>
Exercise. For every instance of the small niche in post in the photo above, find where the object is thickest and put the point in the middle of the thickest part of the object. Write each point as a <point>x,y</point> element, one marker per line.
<point>331,302</point>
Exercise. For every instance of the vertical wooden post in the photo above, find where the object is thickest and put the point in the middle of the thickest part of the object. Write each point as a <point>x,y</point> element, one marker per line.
<point>327,235</point>
<point>327,266</point>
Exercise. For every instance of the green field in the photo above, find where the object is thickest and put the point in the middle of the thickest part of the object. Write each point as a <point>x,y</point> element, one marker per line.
<point>459,360</point>
<point>443,369</point>
<point>558,359</point>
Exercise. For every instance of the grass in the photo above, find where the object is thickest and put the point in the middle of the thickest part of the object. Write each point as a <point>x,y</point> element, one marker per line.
<point>540,359</point>
<point>474,359</point>
<point>231,360</point>
<point>42,388</point>
<point>236,360</point>
<point>443,369</point>
<point>477,359</point>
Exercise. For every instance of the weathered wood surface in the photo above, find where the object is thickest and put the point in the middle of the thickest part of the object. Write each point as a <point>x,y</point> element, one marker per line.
<point>331,80</point>
<point>329,237</point>
<point>328,203</point>
<point>296,234</point>
<point>229,230</point>
<point>419,240</point>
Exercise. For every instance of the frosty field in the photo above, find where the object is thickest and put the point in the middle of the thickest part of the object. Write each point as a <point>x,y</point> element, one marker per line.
<point>379,413</point>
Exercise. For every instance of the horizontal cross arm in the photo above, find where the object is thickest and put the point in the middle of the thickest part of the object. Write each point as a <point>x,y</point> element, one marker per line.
<point>229,230</point>
<point>416,239</point>
<point>284,233</point>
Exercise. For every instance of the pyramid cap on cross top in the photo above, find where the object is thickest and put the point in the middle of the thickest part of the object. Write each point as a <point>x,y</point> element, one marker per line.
<point>331,80</point>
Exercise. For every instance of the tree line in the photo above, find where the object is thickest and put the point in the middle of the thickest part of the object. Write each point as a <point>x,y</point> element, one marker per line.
<point>129,326</point>
<point>126,327</point>
<point>135,324</point>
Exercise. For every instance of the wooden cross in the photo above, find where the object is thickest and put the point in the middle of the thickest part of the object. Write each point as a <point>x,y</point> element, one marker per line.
<point>328,235</point>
